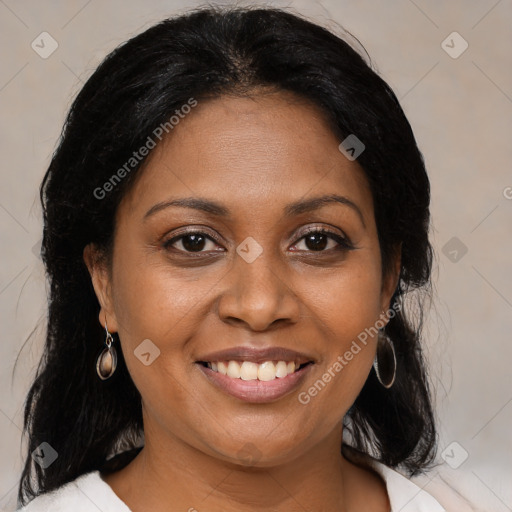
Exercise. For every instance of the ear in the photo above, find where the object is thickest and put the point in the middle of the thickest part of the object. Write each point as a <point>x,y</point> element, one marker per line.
<point>101,278</point>
<point>390,280</point>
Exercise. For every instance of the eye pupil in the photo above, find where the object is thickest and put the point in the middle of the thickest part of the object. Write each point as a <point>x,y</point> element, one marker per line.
<point>313,243</point>
<point>193,242</point>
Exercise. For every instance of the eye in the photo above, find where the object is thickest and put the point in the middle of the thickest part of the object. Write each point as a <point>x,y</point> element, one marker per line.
<point>314,240</point>
<point>318,239</point>
<point>192,241</point>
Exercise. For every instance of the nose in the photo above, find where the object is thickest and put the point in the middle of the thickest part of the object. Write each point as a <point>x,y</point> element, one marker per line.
<point>257,297</point>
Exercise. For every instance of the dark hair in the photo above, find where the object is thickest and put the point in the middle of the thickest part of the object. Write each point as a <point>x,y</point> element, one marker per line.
<point>204,54</point>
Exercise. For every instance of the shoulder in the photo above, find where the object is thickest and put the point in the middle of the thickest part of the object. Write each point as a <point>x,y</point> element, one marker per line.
<point>87,493</point>
<point>452,490</point>
<point>426,493</point>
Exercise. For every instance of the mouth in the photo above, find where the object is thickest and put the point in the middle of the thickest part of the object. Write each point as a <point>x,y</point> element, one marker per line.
<point>256,375</point>
<point>249,370</point>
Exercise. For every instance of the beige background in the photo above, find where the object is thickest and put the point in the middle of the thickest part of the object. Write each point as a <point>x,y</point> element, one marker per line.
<point>461,112</point>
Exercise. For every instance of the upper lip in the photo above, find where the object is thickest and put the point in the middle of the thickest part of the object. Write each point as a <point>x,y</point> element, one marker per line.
<point>257,355</point>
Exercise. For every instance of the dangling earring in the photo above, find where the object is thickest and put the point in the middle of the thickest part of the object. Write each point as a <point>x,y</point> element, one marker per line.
<point>385,360</point>
<point>107,360</point>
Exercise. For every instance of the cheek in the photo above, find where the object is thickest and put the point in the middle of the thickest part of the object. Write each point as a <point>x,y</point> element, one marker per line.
<point>347,308</point>
<point>346,301</point>
<point>156,303</point>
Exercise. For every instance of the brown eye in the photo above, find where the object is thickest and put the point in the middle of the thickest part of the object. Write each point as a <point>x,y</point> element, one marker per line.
<point>317,240</point>
<point>191,242</point>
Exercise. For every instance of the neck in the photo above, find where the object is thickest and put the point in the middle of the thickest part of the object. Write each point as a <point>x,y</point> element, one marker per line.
<point>177,473</point>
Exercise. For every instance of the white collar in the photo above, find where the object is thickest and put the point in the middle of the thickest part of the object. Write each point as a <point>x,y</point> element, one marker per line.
<point>404,495</point>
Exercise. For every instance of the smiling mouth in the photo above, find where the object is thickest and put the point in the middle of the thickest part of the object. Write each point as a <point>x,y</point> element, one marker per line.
<point>248,370</point>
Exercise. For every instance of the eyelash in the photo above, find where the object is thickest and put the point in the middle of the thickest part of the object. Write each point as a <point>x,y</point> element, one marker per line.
<point>343,243</point>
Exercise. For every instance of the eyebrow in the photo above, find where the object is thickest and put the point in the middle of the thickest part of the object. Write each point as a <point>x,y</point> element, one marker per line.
<point>217,209</point>
<point>308,205</point>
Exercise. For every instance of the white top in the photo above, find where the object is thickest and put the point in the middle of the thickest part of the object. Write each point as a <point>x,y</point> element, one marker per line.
<point>90,493</point>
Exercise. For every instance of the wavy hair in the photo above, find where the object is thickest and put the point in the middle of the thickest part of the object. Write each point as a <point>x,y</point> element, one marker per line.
<point>207,53</point>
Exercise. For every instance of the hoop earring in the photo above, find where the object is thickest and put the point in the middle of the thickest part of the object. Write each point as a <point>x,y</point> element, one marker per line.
<point>107,361</point>
<point>384,363</point>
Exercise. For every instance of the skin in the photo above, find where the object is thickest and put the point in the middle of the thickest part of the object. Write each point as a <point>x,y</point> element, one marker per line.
<point>255,156</point>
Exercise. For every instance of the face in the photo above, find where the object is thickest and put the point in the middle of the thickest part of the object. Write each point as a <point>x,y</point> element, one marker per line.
<point>251,274</point>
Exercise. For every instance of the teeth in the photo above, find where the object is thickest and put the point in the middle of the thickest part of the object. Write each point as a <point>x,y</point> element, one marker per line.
<point>267,371</point>
<point>233,370</point>
<point>247,370</point>
<point>281,369</point>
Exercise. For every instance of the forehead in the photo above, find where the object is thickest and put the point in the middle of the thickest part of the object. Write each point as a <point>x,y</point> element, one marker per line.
<point>250,153</point>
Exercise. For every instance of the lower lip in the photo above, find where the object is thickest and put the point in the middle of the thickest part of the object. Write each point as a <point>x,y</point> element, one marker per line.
<point>256,391</point>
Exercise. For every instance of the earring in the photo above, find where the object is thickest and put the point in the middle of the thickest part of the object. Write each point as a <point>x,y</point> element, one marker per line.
<point>107,360</point>
<point>385,360</point>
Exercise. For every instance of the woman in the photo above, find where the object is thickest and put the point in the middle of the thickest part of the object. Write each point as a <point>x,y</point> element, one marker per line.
<point>234,218</point>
